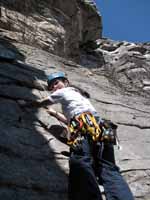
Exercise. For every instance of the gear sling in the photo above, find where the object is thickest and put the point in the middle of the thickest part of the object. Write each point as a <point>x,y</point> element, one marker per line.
<point>85,123</point>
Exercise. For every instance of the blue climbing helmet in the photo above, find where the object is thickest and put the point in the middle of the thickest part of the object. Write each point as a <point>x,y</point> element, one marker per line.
<point>54,76</point>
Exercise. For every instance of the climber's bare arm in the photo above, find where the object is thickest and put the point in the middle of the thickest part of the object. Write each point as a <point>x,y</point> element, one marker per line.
<point>35,103</point>
<point>42,101</point>
<point>58,115</point>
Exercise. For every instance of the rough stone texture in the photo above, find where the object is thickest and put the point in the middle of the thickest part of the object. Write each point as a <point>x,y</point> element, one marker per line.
<point>33,164</point>
<point>128,65</point>
<point>58,27</point>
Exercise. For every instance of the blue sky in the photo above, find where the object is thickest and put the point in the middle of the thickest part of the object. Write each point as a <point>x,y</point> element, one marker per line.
<point>127,20</point>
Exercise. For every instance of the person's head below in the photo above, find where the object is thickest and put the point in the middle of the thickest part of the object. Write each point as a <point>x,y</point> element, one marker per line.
<point>57,81</point>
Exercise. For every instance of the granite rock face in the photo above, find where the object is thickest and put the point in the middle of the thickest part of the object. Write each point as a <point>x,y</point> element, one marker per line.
<point>128,64</point>
<point>115,73</point>
<point>58,27</point>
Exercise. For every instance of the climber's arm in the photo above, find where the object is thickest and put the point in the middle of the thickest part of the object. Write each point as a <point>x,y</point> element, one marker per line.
<point>58,115</point>
<point>35,103</point>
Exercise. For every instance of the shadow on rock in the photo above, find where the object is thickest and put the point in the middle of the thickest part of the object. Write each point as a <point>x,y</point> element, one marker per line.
<point>9,52</point>
<point>29,167</point>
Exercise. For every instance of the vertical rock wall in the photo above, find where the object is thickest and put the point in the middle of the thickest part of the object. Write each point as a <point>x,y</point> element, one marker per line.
<point>58,27</point>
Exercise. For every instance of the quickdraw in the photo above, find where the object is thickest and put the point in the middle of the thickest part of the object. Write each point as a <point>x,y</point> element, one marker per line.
<point>83,124</point>
<point>86,123</point>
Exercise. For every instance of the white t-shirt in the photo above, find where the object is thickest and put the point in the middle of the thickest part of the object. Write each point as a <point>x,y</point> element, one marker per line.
<point>72,101</point>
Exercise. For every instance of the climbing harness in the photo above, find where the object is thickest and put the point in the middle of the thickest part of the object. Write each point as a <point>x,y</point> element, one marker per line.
<point>85,123</point>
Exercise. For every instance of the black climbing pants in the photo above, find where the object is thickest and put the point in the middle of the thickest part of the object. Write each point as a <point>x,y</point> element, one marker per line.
<point>91,165</point>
